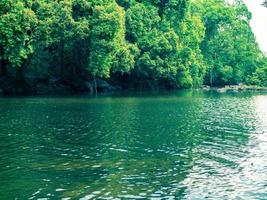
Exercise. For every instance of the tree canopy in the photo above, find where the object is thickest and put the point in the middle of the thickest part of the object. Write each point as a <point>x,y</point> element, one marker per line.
<point>149,43</point>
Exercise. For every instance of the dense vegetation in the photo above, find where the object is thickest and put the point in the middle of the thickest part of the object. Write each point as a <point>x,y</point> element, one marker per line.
<point>141,44</point>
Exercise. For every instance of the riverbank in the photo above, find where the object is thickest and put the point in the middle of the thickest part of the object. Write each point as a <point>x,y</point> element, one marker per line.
<point>40,86</point>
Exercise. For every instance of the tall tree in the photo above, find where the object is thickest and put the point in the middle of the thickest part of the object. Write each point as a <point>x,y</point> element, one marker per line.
<point>17,24</point>
<point>230,49</point>
<point>108,48</point>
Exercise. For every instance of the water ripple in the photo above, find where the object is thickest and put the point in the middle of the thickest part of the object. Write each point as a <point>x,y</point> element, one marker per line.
<point>189,145</point>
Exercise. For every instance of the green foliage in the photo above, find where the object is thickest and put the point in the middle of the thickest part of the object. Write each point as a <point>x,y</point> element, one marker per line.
<point>125,3</point>
<point>259,77</point>
<point>140,20</point>
<point>230,49</point>
<point>109,49</point>
<point>160,55</point>
<point>175,43</point>
<point>17,22</point>
<point>169,44</point>
<point>192,33</point>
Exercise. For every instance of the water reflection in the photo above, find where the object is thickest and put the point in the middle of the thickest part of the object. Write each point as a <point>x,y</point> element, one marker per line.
<point>185,145</point>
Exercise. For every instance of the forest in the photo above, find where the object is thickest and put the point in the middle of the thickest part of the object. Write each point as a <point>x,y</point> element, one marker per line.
<point>96,45</point>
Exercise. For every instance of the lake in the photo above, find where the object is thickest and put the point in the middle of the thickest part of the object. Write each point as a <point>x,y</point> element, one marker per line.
<point>165,145</point>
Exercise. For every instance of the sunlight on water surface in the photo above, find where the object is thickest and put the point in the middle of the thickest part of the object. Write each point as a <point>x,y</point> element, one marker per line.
<point>179,145</point>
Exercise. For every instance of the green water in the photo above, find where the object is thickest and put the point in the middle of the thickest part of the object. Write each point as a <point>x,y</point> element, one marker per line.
<point>177,145</point>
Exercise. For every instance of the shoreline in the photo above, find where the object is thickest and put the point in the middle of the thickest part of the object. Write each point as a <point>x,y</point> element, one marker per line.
<point>111,90</point>
<point>235,88</point>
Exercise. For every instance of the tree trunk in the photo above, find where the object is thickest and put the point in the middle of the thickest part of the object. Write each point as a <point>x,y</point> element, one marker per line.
<point>3,68</point>
<point>211,77</point>
<point>21,69</point>
<point>61,57</point>
<point>95,86</point>
<point>20,73</point>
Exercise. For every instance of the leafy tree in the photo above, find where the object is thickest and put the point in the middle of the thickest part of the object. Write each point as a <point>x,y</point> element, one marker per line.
<point>125,3</point>
<point>150,43</point>
<point>59,28</point>
<point>191,33</point>
<point>108,47</point>
<point>230,49</point>
<point>259,77</point>
<point>140,20</point>
<point>17,23</point>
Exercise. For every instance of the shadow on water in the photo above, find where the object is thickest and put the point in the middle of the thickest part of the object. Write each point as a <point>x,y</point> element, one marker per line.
<point>180,144</point>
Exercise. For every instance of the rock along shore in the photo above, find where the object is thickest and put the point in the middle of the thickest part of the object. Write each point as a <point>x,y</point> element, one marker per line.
<point>235,88</point>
